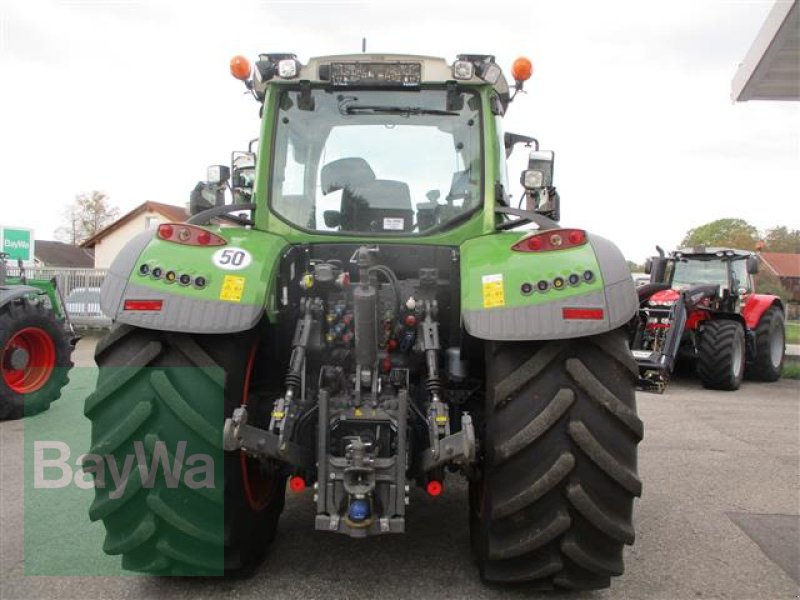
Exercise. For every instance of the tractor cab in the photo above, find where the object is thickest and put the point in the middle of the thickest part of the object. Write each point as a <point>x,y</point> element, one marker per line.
<point>684,268</point>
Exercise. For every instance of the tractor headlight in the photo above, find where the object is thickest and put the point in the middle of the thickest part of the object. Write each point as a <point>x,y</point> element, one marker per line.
<point>287,68</point>
<point>532,179</point>
<point>463,69</point>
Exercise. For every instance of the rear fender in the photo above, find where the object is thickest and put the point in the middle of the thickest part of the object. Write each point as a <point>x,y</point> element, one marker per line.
<point>234,298</point>
<point>497,306</point>
<point>11,293</point>
<point>756,305</point>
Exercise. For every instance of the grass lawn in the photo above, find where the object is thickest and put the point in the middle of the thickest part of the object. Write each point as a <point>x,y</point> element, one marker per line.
<point>793,332</point>
<point>791,370</point>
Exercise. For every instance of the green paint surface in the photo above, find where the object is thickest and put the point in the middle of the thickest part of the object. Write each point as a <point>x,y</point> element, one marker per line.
<point>491,255</point>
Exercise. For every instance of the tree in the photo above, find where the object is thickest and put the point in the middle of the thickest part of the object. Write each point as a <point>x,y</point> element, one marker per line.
<point>782,239</point>
<point>635,267</point>
<point>729,233</point>
<point>88,214</point>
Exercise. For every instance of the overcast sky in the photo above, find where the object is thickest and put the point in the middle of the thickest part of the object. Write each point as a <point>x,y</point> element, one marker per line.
<point>134,98</point>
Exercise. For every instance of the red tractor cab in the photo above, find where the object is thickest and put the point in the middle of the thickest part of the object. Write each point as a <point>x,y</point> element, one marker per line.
<point>701,305</point>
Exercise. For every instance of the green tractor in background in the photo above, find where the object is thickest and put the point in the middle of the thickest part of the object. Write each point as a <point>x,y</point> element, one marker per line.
<point>36,342</point>
<point>384,318</point>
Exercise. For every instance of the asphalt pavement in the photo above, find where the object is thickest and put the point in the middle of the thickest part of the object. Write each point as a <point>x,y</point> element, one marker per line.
<point>718,519</point>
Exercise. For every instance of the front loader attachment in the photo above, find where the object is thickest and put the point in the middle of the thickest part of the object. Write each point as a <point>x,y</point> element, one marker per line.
<point>658,328</point>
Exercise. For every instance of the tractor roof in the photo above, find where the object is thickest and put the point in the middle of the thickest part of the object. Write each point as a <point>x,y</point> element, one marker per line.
<point>709,251</point>
<point>408,71</point>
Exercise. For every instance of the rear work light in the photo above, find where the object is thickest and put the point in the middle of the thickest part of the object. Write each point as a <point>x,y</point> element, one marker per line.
<point>582,314</point>
<point>188,235</point>
<point>143,304</point>
<point>552,239</point>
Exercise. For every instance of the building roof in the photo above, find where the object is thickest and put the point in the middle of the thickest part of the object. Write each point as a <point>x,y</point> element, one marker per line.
<point>176,214</point>
<point>771,68</point>
<point>59,254</point>
<point>782,264</point>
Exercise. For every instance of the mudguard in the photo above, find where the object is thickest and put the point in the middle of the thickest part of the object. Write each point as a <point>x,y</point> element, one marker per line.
<point>12,292</point>
<point>501,301</point>
<point>235,290</point>
<point>755,307</point>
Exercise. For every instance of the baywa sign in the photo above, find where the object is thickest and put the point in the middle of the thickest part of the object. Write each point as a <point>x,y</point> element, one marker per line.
<point>17,243</point>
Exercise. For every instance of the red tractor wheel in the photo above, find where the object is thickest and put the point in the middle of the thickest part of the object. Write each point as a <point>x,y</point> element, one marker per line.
<point>34,358</point>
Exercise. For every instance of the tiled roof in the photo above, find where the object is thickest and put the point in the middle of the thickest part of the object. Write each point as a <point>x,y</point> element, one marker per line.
<point>782,264</point>
<point>59,254</point>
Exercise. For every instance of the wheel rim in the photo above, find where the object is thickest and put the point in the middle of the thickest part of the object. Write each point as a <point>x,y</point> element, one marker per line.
<point>38,358</point>
<point>776,343</point>
<point>258,488</point>
<point>738,355</point>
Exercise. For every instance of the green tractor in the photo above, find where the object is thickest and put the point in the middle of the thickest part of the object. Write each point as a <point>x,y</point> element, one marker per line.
<point>384,318</point>
<point>36,343</point>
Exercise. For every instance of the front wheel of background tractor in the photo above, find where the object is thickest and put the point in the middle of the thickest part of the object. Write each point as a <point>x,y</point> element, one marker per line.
<point>141,395</point>
<point>770,347</point>
<point>35,353</point>
<point>555,503</point>
<point>721,355</point>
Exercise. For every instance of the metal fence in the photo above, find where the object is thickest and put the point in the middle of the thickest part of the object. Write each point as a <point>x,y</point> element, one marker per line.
<point>80,289</point>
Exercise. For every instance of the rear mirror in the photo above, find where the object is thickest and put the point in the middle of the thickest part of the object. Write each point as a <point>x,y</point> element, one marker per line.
<point>218,174</point>
<point>539,173</point>
<point>752,264</point>
<point>204,196</point>
<point>648,266</point>
<point>332,218</point>
<point>244,175</point>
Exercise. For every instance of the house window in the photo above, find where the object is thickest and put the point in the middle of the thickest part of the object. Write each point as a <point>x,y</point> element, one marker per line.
<point>151,222</point>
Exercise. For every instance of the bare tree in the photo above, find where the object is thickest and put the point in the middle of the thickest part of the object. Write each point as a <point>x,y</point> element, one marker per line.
<point>88,214</point>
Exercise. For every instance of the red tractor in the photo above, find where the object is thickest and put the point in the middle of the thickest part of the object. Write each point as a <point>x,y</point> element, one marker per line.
<point>701,305</point>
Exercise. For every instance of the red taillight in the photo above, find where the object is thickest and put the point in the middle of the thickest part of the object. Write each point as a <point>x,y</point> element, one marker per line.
<point>143,304</point>
<point>297,484</point>
<point>434,488</point>
<point>583,314</point>
<point>552,239</point>
<point>189,235</point>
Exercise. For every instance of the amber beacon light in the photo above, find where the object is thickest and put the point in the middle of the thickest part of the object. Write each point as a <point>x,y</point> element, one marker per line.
<point>240,67</point>
<point>522,69</point>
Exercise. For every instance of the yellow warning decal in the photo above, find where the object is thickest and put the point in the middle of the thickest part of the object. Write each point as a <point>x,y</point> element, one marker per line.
<point>232,288</point>
<point>493,295</point>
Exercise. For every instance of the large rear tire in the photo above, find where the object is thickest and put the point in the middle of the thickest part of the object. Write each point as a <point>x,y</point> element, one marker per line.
<point>555,503</point>
<point>141,395</point>
<point>770,346</point>
<point>34,356</point>
<point>721,355</point>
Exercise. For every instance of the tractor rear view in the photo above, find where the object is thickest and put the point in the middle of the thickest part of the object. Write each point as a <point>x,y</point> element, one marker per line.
<point>36,341</point>
<point>701,306</point>
<point>382,319</point>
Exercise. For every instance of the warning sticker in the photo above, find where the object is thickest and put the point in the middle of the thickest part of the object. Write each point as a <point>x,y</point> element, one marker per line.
<point>232,288</point>
<point>493,295</point>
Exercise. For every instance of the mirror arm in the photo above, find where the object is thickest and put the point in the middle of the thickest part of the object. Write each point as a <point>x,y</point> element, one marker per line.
<point>205,216</point>
<point>532,217</point>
